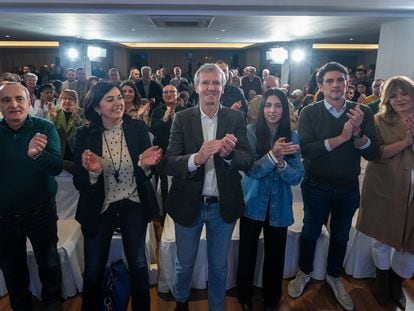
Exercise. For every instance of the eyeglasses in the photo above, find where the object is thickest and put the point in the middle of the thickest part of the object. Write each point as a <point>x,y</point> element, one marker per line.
<point>169,92</point>
<point>68,98</point>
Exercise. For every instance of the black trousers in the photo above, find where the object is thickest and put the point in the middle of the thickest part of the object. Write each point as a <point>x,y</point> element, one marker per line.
<point>274,260</point>
<point>39,225</point>
<point>133,222</point>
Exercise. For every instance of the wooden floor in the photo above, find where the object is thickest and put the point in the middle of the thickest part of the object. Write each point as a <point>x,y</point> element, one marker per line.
<point>317,296</point>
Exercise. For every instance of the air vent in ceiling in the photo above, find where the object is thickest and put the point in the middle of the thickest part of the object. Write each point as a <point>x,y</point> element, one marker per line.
<point>180,21</point>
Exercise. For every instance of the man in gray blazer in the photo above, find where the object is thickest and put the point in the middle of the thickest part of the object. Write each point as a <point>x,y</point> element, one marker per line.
<point>207,149</point>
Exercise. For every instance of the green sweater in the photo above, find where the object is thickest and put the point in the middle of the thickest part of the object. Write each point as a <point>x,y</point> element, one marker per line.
<point>340,167</point>
<point>26,183</point>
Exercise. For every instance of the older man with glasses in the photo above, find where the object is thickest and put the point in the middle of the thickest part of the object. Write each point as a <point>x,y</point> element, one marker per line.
<point>161,122</point>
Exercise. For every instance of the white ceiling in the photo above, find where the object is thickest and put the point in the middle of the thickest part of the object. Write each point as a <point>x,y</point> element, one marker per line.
<point>234,20</point>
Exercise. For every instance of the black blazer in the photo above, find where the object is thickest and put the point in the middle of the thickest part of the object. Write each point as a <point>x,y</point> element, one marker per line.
<point>155,91</point>
<point>92,197</point>
<point>184,197</point>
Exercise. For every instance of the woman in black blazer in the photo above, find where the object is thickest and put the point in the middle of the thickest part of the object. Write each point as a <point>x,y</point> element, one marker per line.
<point>113,157</point>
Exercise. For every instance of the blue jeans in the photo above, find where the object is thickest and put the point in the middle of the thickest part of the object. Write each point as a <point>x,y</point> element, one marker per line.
<point>187,239</point>
<point>133,222</point>
<point>320,201</point>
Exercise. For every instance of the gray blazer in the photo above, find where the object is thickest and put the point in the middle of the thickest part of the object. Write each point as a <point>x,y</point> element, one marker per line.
<point>184,198</point>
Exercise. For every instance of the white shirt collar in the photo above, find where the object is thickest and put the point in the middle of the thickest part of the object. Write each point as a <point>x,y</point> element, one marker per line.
<point>329,107</point>
<point>204,116</point>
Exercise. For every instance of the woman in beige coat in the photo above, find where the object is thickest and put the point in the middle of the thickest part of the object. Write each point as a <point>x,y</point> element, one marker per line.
<point>387,205</point>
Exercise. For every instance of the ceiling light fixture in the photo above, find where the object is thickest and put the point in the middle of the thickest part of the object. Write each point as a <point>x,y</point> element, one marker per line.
<point>28,44</point>
<point>298,55</point>
<point>277,55</point>
<point>176,45</point>
<point>345,46</point>
<point>72,53</point>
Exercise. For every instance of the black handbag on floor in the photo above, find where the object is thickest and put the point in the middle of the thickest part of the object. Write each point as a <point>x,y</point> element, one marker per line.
<point>116,287</point>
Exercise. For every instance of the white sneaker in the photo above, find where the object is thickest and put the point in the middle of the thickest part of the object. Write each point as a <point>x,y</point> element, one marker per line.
<point>298,284</point>
<point>340,293</point>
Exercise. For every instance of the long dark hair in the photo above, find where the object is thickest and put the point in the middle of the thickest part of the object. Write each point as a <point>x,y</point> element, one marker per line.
<point>263,134</point>
<point>137,97</point>
<point>94,97</point>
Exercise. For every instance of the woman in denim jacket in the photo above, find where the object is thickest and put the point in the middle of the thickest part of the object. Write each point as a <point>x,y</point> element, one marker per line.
<point>268,198</point>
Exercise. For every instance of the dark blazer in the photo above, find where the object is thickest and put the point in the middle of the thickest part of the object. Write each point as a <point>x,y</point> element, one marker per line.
<point>184,198</point>
<point>161,129</point>
<point>231,95</point>
<point>155,91</point>
<point>92,197</point>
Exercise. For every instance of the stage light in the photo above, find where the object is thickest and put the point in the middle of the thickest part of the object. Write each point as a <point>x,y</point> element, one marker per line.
<point>277,55</point>
<point>298,55</point>
<point>95,52</point>
<point>73,53</point>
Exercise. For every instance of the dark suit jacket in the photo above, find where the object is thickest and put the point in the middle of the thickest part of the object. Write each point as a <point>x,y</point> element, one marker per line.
<point>155,91</point>
<point>161,129</point>
<point>231,95</point>
<point>184,198</point>
<point>92,196</point>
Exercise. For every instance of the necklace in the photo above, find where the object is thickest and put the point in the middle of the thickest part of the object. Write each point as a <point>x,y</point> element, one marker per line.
<point>115,172</point>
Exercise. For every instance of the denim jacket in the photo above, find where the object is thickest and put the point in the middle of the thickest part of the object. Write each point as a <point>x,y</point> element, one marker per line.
<point>264,182</point>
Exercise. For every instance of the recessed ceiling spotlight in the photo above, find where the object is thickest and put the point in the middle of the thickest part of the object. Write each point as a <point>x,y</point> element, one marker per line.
<point>7,36</point>
<point>217,38</point>
<point>223,30</point>
<point>351,39</point>
<point>133,29</point>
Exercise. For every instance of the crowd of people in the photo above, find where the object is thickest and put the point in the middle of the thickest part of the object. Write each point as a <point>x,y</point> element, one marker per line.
<point>115,135</point>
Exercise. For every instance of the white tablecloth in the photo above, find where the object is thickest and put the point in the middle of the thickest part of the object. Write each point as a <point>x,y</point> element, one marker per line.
<point>67,196</point>
<point>358,259</point>
<point>70,245</point>
<point>70,250</point>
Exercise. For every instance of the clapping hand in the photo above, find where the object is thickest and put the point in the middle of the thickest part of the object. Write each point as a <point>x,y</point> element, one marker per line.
<point>143,109</point>
<point>168,114</point>
<point>281,148</point>
<point>75,111</point>
<point>236,105</point>
<point>92,162</point>
<point>36,145</point>
<point>207,150</point>
<point>356,116</point>
<point>151,156</point>
<point>52,111</point>
<point>228,143</point>
<point>409,123</point>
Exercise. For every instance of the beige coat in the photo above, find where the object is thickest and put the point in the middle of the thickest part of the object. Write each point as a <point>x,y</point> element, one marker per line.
<point>386,212</point>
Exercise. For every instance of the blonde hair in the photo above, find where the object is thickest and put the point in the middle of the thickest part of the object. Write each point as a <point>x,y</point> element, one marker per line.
<point>390,87</point>
<point>69,93</point>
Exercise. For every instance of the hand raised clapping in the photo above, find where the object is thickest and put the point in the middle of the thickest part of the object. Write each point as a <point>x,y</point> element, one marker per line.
<point>151,156</point>
<point>228,143</point>
<point>223,147</point>
<point>281,148</point>
<point>356,116</point>
<point>52,111</point>
<point>92,162</point>
<point>36,145</point>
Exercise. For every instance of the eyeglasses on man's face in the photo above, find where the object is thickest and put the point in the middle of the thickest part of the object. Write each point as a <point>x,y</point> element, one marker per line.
<point>169,92</point>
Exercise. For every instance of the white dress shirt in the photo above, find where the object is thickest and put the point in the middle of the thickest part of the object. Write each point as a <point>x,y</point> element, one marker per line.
<point>209,126</point>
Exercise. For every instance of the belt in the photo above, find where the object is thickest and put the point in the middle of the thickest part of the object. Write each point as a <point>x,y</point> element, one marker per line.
<point>209,200</point>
